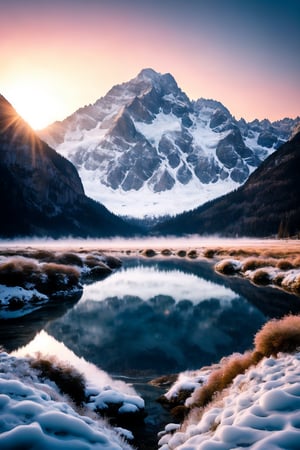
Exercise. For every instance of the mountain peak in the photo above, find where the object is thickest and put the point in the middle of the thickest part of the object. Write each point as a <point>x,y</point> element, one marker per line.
<point>146,138</point>
<point>165,80</point>
<point>149,73</point>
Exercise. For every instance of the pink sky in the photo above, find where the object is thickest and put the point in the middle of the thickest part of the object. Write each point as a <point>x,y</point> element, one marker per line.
<point>58,56</point>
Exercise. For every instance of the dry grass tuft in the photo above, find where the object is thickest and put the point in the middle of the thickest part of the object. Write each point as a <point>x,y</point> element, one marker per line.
<point>261,277</point>
<point>256,263</point>
<point>221,378</point>
<point>278,279</point>
<point>285,264</point>
<point>273,253</point>
<point>54,268</point>
<point>276,336</point>
<point>92,261</point>
<point>68,258</point>
<point>18,271</point>
<point>296,284</point>
<point>149,252</point>
<point>296,261</point>
<point>242,253</point>
<point>43,255</point>
<point>209,252</point>
<point>228,266</point>
<point>192,254</point>
<point>112,261</point>
<point>58,277</point>
<point>67,378</point>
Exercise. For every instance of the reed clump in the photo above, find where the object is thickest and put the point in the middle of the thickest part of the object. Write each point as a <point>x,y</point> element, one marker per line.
<point>18,271</point>
<point>193,254</point>
<point>149,252</point>
<point>253,263</point>
<point>261,277</point>
<point>67,378</point>
<point>228,266</point>
<point>276,336</point>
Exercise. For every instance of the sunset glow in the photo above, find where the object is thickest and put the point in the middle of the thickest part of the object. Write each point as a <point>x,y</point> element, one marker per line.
<point>34,101</point>
<point>61,55</point>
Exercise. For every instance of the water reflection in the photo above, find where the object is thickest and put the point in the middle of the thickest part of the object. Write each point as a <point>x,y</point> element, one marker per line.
<point>146,282</point>
<point>17,332</point>
<point>46,347</point>
<point>156,320</point>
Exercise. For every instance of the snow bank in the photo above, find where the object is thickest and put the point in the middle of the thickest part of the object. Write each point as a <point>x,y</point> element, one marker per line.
<point>265,273</point>
<point>37,276</point>
<point>259,411</point>
<point>33,416</point>
<point>187,381</point>
<point>16,301</point>
<point>101,390</point>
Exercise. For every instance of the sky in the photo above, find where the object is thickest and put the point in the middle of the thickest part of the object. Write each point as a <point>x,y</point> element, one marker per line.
<point>59,55</point>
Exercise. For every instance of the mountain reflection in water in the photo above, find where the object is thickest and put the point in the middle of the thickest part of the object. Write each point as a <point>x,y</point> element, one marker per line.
<point>154,318</point>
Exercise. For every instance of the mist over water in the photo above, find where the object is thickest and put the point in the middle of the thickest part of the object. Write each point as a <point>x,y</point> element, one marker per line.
<point>120,243</point>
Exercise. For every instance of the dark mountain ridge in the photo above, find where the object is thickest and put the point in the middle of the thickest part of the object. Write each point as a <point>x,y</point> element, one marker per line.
<point>268,204</point>
<point>41,192</point>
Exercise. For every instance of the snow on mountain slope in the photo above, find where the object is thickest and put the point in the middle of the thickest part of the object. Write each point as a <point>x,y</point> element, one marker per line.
<point>145,149</point>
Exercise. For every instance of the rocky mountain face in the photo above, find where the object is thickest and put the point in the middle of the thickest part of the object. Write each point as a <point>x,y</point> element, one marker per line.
<point>266,205</point>
<point>40,191</point>
<point>145,143</point>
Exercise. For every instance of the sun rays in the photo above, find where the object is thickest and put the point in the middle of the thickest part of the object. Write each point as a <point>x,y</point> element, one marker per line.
<point>35,97</point>
<point>18,131</point>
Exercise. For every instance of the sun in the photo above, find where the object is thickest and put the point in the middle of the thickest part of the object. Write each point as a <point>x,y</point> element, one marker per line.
<point>35,101</point>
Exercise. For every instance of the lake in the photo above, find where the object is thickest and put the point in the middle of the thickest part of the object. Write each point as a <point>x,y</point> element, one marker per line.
<point>152,317</point>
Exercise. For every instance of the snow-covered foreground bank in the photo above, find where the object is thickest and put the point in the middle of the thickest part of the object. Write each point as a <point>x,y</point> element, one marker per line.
<point>261,411</point>
<point>34,415</point>
<point>30,278</point>
<point>101,390</point>
<point>37,414</point>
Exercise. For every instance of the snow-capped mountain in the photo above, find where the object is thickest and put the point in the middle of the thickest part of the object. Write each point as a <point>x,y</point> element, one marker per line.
<point>145,149</point>
<point>266,205</point>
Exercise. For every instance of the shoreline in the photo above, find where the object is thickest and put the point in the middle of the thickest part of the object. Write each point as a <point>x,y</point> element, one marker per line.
<point>158,243</point>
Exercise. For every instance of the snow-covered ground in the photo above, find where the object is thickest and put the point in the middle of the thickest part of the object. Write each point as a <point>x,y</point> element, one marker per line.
<point>35,416</point>
<point>260,411</point>
<point>101,390</point>
<point>28,282</point>
<point>28,299</point>
<point>264,274</point>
